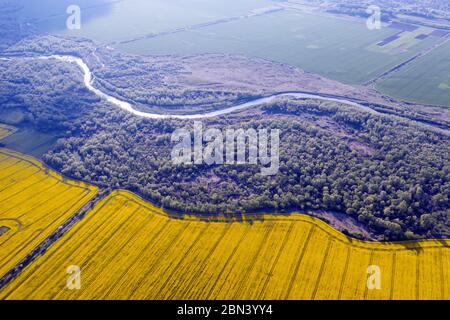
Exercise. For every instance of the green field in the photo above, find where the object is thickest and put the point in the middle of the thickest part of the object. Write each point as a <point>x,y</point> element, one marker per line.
<point>405,41</point>
<point>340,49</point>
<point>335,48</point>
<point>109,20</point>
<point>427,80</point>
<point>30,141</point>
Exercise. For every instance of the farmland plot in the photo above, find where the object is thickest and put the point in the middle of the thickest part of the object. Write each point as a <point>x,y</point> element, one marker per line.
<point>34,202</point>
<point>427,80</point>
<point>6,130</point>
<point>128,249</point>
<point>341,50</point>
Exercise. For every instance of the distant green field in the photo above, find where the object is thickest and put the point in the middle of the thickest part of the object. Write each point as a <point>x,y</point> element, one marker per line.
<point>30,141</point>
<point>427,80</point>
<point>335,48</point>
<point>109,20</point>
<point>338,49</point>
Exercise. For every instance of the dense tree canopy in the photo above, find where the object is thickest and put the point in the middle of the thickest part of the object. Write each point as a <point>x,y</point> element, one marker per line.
<point>390,175</point>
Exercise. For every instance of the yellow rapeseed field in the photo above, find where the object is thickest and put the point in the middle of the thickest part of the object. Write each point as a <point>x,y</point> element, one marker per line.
<point>34,202</point>
<point>128,249</point>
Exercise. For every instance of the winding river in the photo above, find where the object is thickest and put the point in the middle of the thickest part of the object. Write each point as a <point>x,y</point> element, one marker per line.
<point>89,83</point>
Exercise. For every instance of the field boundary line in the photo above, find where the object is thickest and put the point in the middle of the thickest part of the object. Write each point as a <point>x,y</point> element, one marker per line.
<point>71,251</point>
<point>43,247</point>
<point>210,253</point>
<point>235,249</point>
<point>153,266</point>
<point>394,267</point>
<point>299,261</point>
<point>14,182</point>
<point>174,270</point>
<point>344,275</point>
<point>272,268</point>
<point>295,217</point>
<point>322,267</point>
<point>249,268</point>
<point>48,171</point>
<point>138,256</point>
<point>100,246</point>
